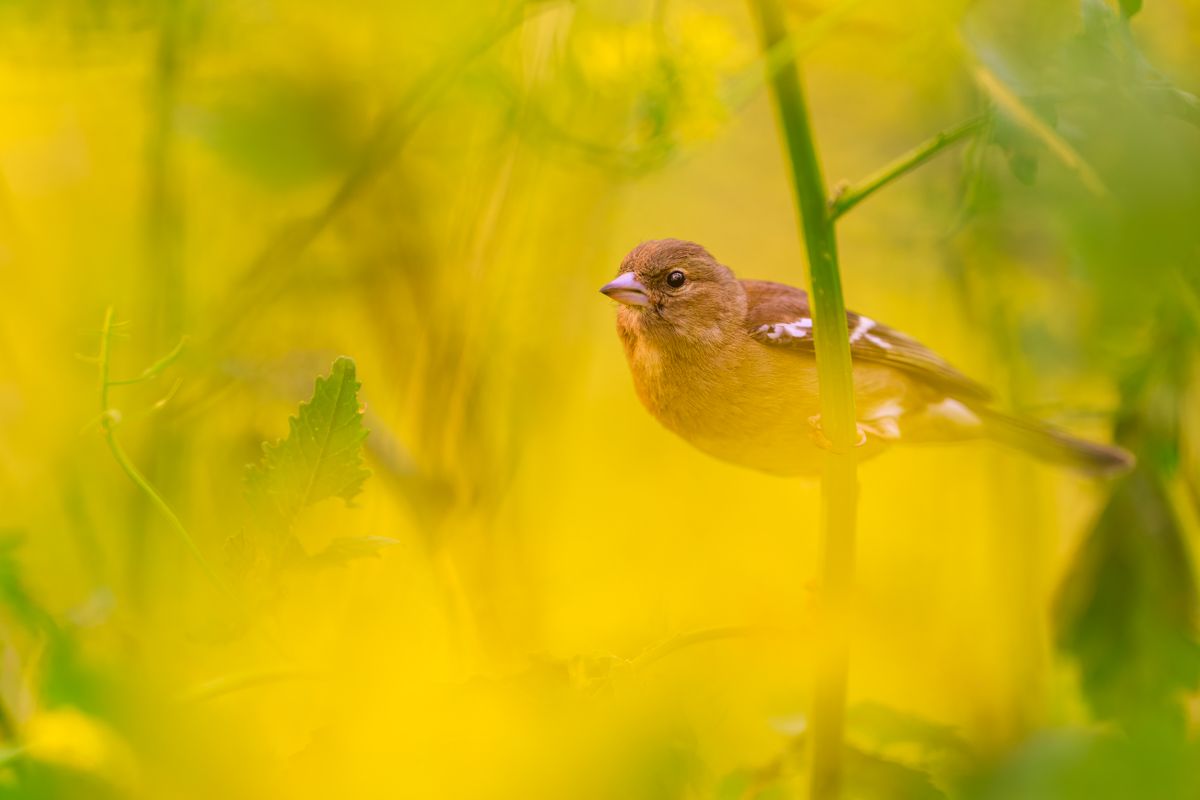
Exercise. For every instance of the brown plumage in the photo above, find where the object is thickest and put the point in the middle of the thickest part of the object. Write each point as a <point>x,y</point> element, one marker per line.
<point>729,365</point>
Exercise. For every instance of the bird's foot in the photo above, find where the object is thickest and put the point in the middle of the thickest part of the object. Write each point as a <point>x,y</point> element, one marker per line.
<point>817,434</point>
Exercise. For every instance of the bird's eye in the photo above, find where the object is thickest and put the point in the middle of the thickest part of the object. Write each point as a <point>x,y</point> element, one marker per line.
<point>676,279</point>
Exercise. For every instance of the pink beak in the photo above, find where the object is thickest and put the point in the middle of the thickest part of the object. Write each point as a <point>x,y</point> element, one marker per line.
<point>626,289</point>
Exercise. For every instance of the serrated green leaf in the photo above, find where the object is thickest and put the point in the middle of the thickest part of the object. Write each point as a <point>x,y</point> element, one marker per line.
<point>322,454</point>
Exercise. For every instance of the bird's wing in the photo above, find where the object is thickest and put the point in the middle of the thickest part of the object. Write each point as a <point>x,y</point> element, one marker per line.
<point>779,315</point>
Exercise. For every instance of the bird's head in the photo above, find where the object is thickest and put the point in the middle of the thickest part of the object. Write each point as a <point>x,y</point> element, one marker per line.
<point>669,288</point>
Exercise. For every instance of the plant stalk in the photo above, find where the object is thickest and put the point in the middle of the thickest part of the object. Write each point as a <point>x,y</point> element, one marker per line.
<point>839,487</point>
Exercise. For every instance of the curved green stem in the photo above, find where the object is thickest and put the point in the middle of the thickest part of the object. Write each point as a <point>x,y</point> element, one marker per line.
<point>108,420</point>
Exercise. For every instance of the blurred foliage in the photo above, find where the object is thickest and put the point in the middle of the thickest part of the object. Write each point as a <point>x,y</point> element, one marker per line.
<point>537,592</point>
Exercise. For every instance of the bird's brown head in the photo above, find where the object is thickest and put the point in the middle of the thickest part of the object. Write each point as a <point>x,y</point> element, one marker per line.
<point>673,289</point>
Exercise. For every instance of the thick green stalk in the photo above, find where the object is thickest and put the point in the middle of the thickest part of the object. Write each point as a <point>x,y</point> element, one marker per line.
<point>829,310</point>
<point>839,482</point>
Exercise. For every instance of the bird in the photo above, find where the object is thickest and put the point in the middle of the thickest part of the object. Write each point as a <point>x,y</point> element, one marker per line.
<point>729,365</point>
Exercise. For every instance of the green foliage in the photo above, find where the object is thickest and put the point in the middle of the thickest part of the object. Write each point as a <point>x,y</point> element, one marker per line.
<point>321,457</point>
<point>15,598</point>
<point>282,130</point>
<point>868,776</point>
<point>883,727</point>
<point>449,191</point>
<point>1019,147</point>
<point>1079,765</point>
<point>1130,7</point>
<point>1127,612</point>
<point>1127,609</point>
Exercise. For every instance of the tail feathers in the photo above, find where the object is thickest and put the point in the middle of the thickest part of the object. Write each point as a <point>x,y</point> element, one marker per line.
<point>1049,443</point>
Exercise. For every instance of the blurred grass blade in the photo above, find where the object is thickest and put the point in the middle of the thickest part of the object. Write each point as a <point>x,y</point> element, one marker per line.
<point>1011,104</point>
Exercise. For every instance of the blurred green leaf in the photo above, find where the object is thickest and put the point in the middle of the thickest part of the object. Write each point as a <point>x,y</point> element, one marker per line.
<point>1085,765</point>
<point>322,456</point>
<point>1020,146</point>
<point>14,596</point>
<point>885,727</point>
<point>867,776</point>
<point>1130,7</point>
<point>281,130</point>
<point>1127,607</point>
<point>877,778</point>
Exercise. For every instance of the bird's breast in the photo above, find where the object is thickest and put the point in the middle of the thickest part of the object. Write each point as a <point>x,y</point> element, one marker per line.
<point>743,402</point>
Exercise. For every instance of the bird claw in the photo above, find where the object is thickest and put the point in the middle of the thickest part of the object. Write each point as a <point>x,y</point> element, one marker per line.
<point>817,433</point>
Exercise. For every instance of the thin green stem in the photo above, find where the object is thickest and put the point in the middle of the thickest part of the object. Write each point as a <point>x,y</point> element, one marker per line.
<point>108,423</point>
<point>839,483</point>
<point>154,369</point>
<point>849,196</point>
<point>134,475</point>
<point>102,360</point>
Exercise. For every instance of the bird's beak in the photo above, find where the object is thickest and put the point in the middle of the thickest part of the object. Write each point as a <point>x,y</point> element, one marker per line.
<point>626,289</point>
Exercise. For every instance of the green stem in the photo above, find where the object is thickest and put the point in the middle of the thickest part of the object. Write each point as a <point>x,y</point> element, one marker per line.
<point>839,483</point>
<point>829,311</point>
<point>850,196</point>
<point>108,421</point>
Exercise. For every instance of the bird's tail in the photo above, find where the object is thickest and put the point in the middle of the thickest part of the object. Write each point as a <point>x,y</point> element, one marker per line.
<point>1049,443</point>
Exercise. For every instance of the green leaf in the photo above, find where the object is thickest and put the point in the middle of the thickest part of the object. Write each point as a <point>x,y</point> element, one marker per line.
<point>322,454</point>
<point>1130,7</point>
<point>884,727</point>
<point>283,130</point>
<point>870,776</point>
<point>1127,609</point>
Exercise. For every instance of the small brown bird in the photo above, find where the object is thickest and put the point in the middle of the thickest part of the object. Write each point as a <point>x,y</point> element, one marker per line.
<point>730,366</point>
